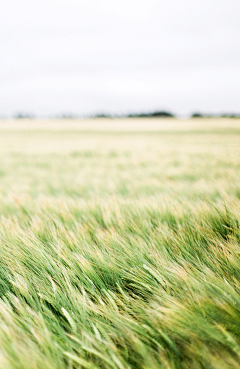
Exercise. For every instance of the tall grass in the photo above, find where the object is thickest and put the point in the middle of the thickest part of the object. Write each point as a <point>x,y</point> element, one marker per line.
<point>122,254</point>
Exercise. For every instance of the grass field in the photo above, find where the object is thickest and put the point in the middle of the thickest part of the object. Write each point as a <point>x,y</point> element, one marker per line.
<point>120,244</point>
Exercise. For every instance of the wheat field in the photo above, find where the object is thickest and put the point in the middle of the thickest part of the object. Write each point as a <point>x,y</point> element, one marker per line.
<point>120,244</point>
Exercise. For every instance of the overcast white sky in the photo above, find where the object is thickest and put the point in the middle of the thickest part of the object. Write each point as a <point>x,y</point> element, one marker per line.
<point>119,56</point>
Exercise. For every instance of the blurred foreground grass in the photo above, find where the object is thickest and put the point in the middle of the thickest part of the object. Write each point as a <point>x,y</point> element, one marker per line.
<point>120,244</point>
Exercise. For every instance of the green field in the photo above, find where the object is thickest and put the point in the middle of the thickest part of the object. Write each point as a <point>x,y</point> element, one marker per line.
<point>120,244</point>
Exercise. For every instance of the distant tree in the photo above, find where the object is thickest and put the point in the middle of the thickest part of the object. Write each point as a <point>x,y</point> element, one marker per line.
<point>163,114</point>
<point>197,115</point>
<point>102,116</point>
<point>23,116</point>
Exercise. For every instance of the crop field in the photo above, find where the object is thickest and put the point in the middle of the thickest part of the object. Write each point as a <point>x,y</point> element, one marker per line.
<point>120,244</point>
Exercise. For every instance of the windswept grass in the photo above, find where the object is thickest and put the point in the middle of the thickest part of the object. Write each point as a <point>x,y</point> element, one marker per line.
<point>119,250</point>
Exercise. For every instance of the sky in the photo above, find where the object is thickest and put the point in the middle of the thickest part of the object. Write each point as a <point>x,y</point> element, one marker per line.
<point>84,57</point>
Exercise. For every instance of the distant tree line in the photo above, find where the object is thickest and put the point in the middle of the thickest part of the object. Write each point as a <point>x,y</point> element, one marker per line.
<point>199,115</point>
<point>24,116</point>
<point>155,114</point>
<point>163,114</point>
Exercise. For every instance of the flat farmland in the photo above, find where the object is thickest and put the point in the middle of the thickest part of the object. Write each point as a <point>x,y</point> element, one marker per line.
<point>120,244</point>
